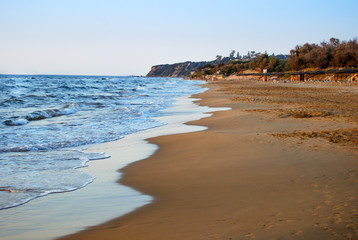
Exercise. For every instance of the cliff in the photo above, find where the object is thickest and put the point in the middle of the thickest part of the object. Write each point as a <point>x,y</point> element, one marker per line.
<point>175,70</point>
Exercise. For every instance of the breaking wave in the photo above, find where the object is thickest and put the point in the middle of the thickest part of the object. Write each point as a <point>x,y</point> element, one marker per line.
<point>44,114</point>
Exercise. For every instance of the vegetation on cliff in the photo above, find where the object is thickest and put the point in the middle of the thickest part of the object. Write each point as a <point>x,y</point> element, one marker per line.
<point>263,61</point>
<point>332,54</point>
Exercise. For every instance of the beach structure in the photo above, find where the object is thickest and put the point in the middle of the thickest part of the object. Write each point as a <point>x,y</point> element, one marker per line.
<point>333,76</point>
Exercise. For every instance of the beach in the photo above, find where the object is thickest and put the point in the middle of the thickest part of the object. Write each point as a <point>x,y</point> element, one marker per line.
<point>281,164</point>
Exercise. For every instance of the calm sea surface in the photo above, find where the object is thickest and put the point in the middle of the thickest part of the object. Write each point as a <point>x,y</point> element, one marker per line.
<point>47,121</point>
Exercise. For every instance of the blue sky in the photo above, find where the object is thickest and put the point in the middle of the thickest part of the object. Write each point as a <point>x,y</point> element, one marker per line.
<point>108,37</point>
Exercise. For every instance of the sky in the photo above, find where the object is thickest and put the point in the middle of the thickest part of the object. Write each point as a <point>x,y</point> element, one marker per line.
<point>127,37</point>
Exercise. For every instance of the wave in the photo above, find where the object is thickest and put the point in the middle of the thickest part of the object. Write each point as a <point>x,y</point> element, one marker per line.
<point>16,122</point>
<point>44,114</point>
<point>26,195</point>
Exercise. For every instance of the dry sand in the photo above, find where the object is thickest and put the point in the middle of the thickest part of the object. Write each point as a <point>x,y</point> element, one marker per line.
<point>259,171</point>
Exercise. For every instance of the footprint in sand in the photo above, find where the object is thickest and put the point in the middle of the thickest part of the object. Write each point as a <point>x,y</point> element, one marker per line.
<point>328,196</point>
<point>251,235</point>
<point>351,226</point>
<point>267,226</point>
<point>316,214</point>
<point>297,232</point>
<point>337,220</point>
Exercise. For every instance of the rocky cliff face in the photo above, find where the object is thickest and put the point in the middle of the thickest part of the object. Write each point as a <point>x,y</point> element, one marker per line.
<point>175,70</point>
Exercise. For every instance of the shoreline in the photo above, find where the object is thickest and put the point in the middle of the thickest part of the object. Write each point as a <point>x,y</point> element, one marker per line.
<point>66,213</point>
<point>238,181</point>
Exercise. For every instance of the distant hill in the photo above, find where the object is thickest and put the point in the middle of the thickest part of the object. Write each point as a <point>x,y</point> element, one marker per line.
<point>183,69</point>
<point>186,69</point>
<point>175,70</point>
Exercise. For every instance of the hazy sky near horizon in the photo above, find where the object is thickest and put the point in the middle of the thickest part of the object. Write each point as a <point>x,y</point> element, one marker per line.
<point>116,37</point>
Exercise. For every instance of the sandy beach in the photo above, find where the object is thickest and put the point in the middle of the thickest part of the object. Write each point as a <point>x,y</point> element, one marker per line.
<point>282,164</point>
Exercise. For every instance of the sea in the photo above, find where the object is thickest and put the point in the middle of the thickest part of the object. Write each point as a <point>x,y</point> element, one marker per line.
<point>48,121</point>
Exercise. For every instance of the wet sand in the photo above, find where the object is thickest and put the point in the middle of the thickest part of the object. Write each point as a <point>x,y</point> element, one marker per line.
<point>258,171</point>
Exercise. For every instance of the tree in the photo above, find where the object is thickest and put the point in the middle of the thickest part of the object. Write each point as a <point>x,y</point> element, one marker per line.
<point>334,41</point>
<point>272,64</point>
<point>335,54</point>
<point>232,54</point>
<point>238,55</point>
<point>346,54</point>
